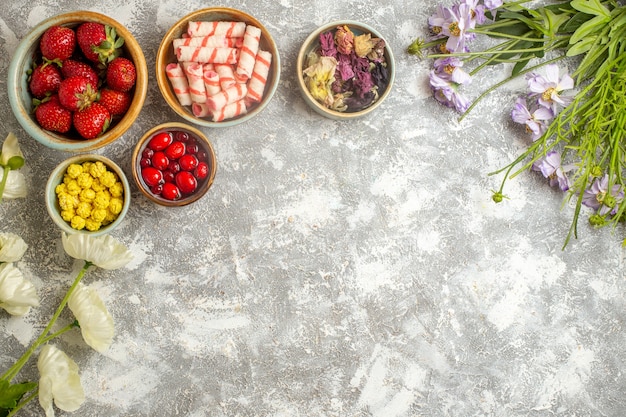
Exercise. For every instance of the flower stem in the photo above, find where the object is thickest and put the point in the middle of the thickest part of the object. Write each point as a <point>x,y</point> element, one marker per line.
<point>45,337</point>
<point>3,183</point>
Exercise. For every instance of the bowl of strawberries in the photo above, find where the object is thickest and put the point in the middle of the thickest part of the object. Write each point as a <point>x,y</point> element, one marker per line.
<point>77,81</point>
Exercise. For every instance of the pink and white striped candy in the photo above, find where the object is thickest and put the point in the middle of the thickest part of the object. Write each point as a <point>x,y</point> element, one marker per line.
<point>247,53</point>
<point>227,75</point>
<point>226,28</point>
<point>224,97</point>
<point>180,85</point>
<point>207,54</point>
<point>211,82</point>
<point>258,80</point>
<point>194,73</point>
<point>214,41</point>
<point>238,108</point>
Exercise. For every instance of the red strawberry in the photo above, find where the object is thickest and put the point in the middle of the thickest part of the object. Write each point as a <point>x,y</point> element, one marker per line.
<point>52,116</point>
<point>116,102</point>
<point>98,42</point>
<point>71,67</point>
<point>92,121</point>
<point>121,74</point>
<point>58,42</point>
<point>77,92</point>
<point>44,80</point>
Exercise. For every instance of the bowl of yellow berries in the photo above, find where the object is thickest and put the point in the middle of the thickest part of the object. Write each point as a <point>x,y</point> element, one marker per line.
<point>87,193</point>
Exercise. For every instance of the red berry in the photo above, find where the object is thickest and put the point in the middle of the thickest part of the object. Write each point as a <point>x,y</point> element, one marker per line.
<point>169,176</point>
<point>186,182</point>
<point>92,121</point>
<point>44,80</point>
<point>98,42</point>
<point>151,176</point>
<point>121,74</point>
<point>52,116</point>
<point>202,155</point>
<point>117,102</point>
<point>77,93</point>
<point>170,192</point>
<point>160,141</point>
<point>175,150</point>
<point>192,148</point>
<point>160,160</point>
<point>145,162</point>
<point>156,189</point>
<point>201,171</point>
<point>71,67</point>
<point>57,42</point>
<point>173,167</point>
<point>188,162</point>
<point>181,136</point>
<point>147,153</point>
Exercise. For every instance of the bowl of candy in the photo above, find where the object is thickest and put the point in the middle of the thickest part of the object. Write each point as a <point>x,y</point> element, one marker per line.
<point>87,193</point>
<point>345,70</point>
<point>174,164</point>
<point>217,67</point>
<point>77,81</point>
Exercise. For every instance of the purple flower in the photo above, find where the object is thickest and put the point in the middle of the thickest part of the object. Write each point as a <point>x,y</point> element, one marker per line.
<point>492,4</point>
<point>327,44</point>
<point>600,198</point>
<point>548,89</point>
<point>450,69</point>
<point>445,91</point>
<point>551,168</point>
<point>442,18</point>
<point>477,11</point>
<point>456,30</point>
<point>534,120</point>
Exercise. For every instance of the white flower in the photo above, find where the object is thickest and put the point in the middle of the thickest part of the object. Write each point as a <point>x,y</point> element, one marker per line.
<point>59,381</point>
<point>96,324</point>
<point>17,294</point>
<point>103,251</point>
<point>15,186</point>
<point>11,153</point>
<point>12,247</point>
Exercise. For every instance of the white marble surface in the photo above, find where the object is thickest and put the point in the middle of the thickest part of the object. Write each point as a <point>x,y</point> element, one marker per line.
<point>334,269</point>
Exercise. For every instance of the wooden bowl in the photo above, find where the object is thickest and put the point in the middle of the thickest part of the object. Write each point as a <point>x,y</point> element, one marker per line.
<point>166,55</point>
<point>203,143</point>
<point>21,100</point>
<point>312,43</point>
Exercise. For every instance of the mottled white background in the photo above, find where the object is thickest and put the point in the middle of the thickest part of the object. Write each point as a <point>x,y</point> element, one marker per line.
<point>334,269</point>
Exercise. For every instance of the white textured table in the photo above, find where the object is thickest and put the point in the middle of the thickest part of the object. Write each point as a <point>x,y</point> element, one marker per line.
<point>334,269</point>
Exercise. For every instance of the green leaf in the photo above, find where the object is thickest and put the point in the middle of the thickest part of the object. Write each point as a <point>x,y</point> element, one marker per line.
<point>593,7</point>
<point>574,22</point>
<point>581,47</point>
<point>588,28</point>
<point>10,395</point>
<point>553,21</point>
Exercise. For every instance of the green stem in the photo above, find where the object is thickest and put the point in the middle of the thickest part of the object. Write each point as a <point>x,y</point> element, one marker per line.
<point>45,336</point>
<point>5,177</point>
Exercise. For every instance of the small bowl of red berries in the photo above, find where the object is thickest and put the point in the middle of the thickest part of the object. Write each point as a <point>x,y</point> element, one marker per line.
<point>174,164</point>
<point>77,81</point>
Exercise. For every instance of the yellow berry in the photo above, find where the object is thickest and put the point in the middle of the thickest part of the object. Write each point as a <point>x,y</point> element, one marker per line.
<point>115,205</point>
<point>84,209</point>
<point>97,169</point>
<point>74,170</point>
<point>117,189</point>
<point>77,223</point>
<point>98,215</point>
<point>108,178</point>
<point>84,180</point>
<point>87,195</point>
<point>73,188</point>
<point>68,214</point>
<point>92,225</point>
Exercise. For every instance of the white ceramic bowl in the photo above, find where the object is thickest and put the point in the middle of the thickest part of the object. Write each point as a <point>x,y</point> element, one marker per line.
<point>312,43</point>
<point>56,178</point>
